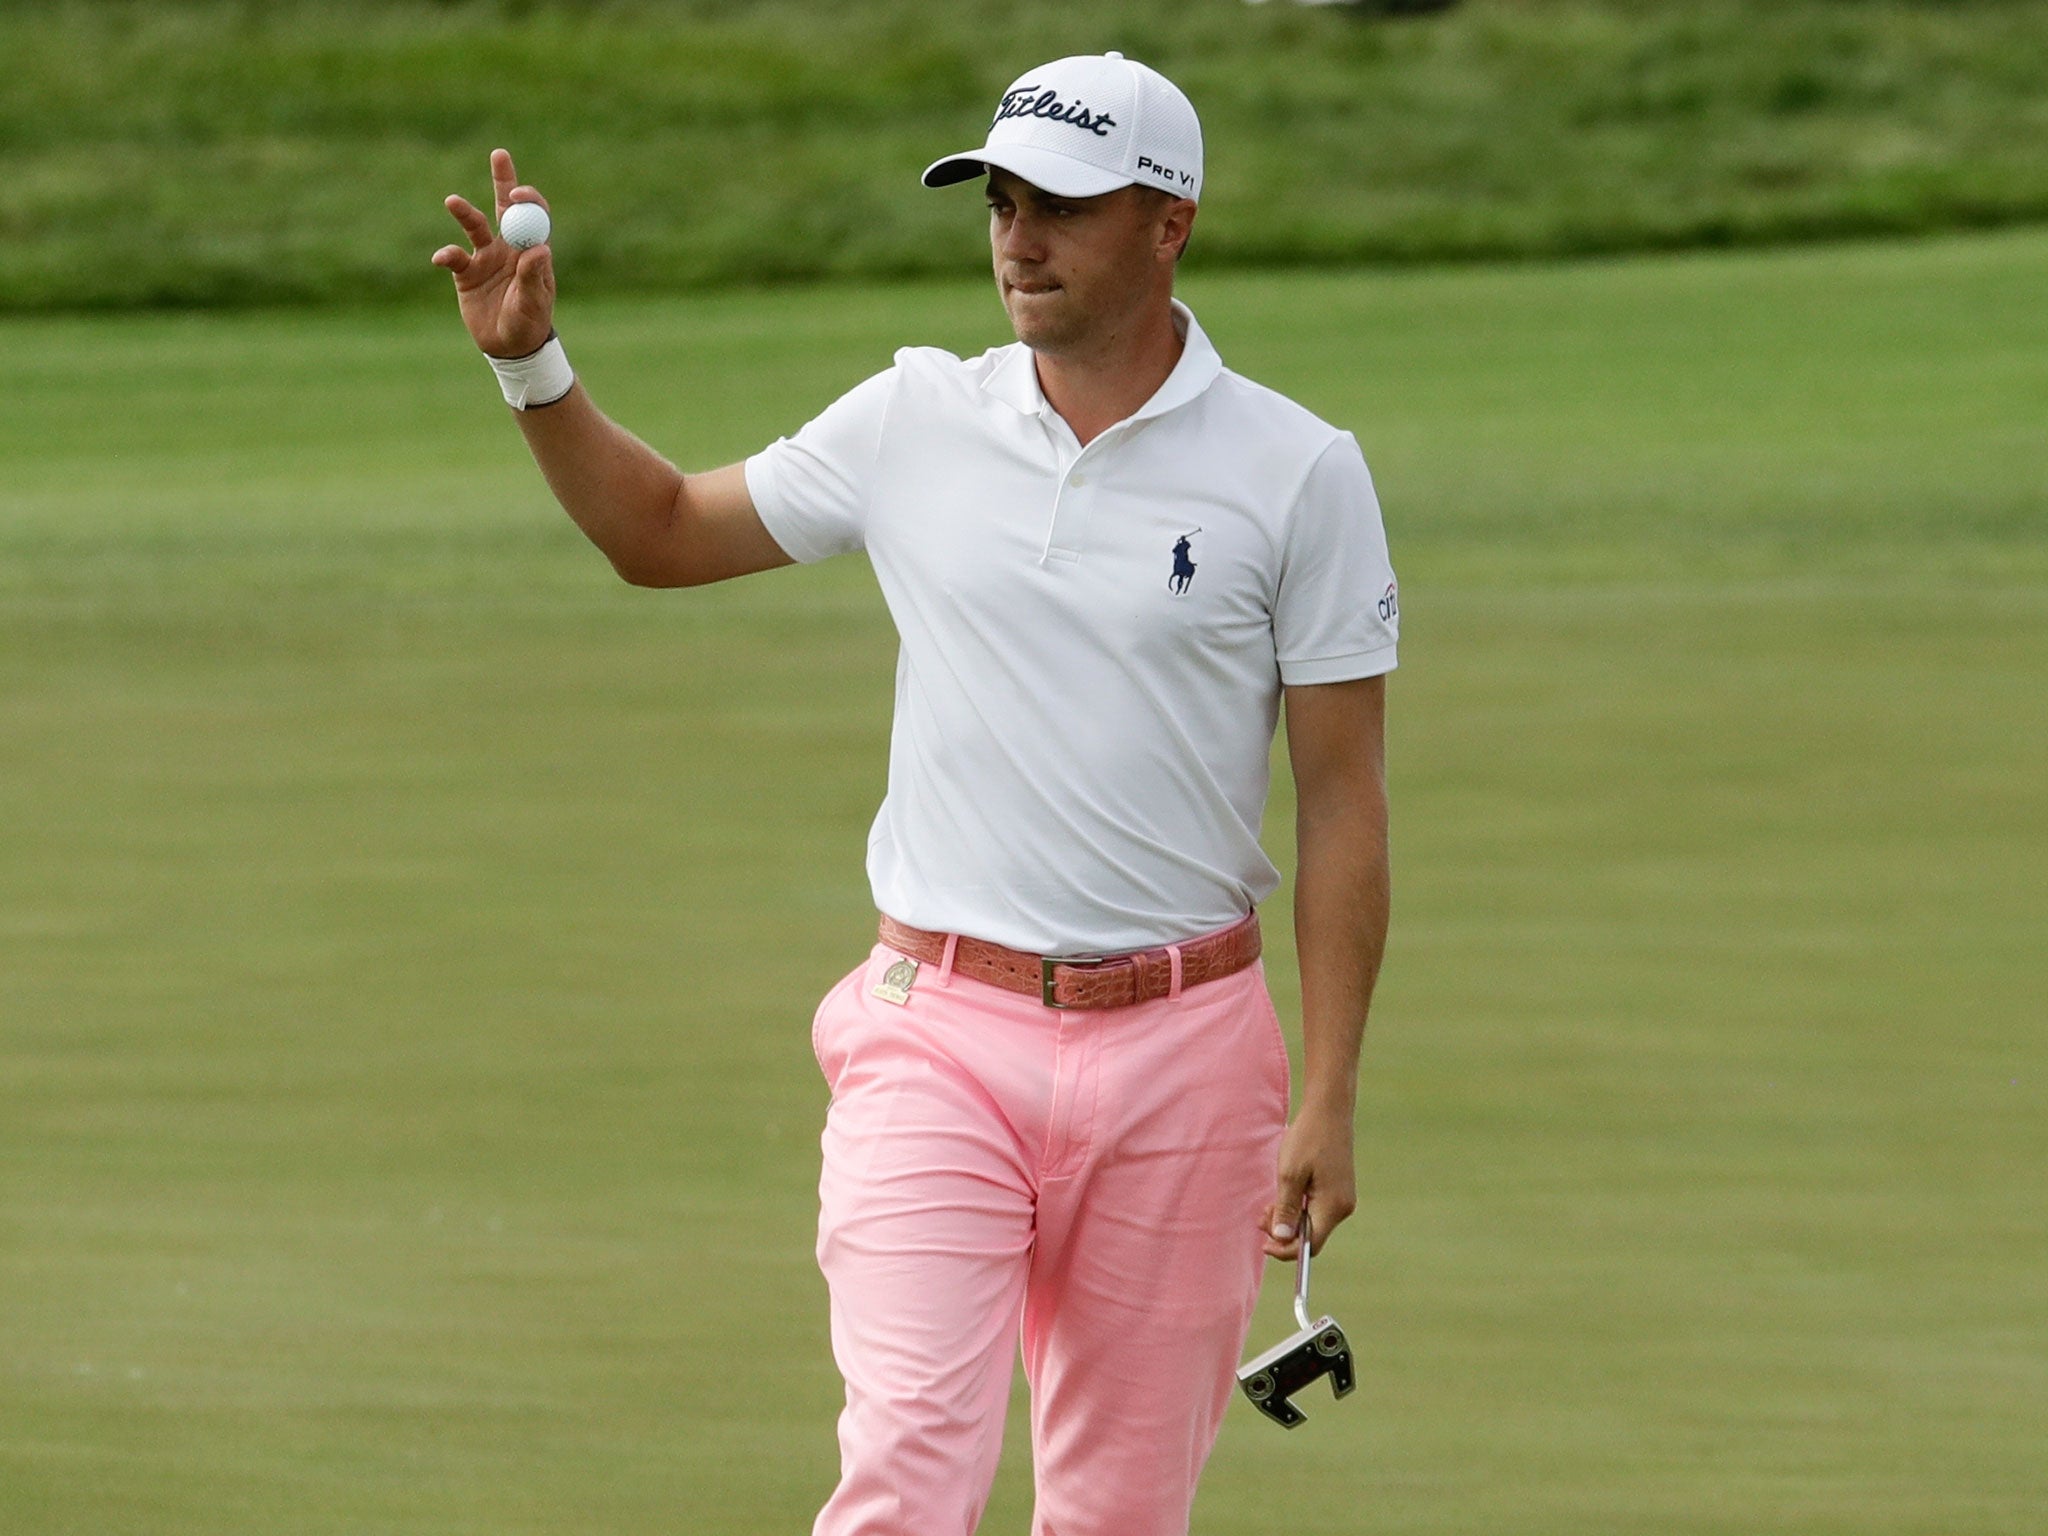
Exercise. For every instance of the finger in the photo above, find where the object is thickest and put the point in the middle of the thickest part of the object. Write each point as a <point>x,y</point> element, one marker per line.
<point>1275,1248</point>
<point>1285,1252</point>
<point>503,178</point>
<point>472,220</point>
<point>526,195</point>
<point>453,257</point>
<point>1315,1224</point>
<point>534,276</point>
<point>1287,1206</point>
<point>1325,1216</point>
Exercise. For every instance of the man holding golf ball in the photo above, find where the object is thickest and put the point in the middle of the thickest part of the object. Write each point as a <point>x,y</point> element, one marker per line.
<point>1059,1091</point>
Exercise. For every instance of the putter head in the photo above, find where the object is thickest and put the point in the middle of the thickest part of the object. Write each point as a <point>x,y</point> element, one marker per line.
<point>1273,1378</point>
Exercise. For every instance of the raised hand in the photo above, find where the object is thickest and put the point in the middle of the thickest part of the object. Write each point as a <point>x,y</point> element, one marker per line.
<point>507,295</point>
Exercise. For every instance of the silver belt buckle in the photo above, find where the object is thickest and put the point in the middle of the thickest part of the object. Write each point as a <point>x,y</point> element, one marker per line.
<point>1045,976</point>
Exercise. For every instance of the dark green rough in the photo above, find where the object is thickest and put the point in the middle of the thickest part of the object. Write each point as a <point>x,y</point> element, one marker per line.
<point>216,154</point>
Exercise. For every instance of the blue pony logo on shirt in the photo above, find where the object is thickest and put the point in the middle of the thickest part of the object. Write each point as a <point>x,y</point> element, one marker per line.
<point>1183,564</point>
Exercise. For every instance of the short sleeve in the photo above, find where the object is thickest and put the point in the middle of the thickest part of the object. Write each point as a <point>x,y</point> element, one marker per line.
<point>811,490</point>
<point>1338,612</point>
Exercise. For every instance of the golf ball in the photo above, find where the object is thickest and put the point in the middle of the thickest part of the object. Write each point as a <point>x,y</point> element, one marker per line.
<point>523,225</point>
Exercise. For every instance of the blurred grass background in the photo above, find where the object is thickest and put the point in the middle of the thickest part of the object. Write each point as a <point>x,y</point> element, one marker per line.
<point>407,933</point>
<point>214,152</point>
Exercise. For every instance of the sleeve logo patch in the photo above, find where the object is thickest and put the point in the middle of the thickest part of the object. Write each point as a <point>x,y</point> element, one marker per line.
<point>1390,602</point>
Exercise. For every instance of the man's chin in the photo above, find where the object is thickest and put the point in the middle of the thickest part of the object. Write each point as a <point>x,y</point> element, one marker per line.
<point>1038,324</point>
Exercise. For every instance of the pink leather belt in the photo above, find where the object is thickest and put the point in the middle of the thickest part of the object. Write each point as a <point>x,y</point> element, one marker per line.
<point>1086,981</point>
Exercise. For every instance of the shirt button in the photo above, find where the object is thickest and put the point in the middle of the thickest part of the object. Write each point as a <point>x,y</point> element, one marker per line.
<point>1077,480</point>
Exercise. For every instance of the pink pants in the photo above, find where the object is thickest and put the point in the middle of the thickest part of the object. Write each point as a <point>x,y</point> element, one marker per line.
<point>1095,1178</point>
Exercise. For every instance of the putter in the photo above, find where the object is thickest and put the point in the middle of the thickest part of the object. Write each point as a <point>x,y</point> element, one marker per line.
<point>1316,1349</point>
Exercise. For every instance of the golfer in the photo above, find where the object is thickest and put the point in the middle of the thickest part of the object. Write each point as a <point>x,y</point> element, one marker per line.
<point>1059,1091</point>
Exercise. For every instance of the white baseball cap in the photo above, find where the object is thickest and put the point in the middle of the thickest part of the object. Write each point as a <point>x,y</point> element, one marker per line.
<point>1085,125</point>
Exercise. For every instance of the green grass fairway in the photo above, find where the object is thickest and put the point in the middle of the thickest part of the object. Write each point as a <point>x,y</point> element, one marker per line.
<point>408,934</point>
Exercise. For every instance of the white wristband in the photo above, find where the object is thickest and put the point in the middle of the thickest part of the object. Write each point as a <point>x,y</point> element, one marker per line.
<point>540,378</point>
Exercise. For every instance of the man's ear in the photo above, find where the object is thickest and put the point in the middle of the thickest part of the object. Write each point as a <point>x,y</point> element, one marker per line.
<point>1176,229</point>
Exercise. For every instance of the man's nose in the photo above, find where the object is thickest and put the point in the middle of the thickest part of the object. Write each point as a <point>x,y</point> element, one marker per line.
<point>1023,239</point>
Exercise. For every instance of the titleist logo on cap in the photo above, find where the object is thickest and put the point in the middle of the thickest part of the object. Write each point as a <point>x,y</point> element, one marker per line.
<point>1030,101</point>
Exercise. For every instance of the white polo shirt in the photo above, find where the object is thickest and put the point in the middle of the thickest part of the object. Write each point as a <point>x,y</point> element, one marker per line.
<point>1079,759</point>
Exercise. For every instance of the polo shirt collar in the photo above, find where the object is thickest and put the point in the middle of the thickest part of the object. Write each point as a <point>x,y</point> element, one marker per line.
<point>1014,379</point>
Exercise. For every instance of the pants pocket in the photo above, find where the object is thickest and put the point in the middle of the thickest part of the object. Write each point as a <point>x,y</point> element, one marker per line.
<point>1279,1072</point>
<point>829,1010</point>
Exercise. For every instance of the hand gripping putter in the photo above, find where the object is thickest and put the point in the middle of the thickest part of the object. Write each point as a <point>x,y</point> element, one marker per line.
<point>1317,1348</point>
